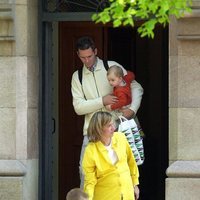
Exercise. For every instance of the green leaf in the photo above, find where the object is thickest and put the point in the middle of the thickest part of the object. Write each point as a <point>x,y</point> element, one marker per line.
<point>125,12</point>
<point>117,23</point>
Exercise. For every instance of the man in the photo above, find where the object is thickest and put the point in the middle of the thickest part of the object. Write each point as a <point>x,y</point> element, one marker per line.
<point>95,92</point>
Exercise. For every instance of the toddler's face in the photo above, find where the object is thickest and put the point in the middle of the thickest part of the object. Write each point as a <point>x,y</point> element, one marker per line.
<point>114,80</point>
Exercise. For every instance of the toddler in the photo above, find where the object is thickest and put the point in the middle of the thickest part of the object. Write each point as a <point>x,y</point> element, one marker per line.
<point>76,194</point>
<point>121,87</point>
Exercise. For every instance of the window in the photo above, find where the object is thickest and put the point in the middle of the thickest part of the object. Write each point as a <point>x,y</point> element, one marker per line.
<point>75,5</point>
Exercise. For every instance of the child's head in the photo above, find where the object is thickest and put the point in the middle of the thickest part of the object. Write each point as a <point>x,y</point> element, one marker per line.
<point>76,194</point>
<point>115,75</point>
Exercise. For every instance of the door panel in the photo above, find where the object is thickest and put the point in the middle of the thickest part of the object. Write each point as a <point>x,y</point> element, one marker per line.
<point>71,125</point>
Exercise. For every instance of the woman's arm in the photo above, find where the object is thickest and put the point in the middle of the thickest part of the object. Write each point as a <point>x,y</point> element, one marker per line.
<point>88,165</point>
<point>136,192</point>
<point>132,164</point>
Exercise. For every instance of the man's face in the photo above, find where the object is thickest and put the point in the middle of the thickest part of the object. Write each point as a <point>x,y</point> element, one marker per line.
<point>87,56</point>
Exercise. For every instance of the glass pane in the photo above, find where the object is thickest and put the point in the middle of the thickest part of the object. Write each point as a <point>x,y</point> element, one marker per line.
<point>75,5</point>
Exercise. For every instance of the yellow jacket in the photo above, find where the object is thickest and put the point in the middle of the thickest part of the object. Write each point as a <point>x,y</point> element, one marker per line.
<point>105,181</point>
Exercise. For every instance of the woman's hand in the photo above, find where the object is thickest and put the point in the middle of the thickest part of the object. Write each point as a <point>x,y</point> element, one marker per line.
<point>136,192</point>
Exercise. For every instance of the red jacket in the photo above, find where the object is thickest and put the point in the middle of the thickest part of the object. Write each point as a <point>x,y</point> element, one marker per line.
<point>123,92</point>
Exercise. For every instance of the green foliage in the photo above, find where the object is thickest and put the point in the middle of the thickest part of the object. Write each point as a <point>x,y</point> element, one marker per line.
<point>150,12</point>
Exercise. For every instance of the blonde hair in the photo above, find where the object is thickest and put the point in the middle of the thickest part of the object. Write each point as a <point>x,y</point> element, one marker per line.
<point>76,194</point>
<point>116,70</point>
<point>96,125</point>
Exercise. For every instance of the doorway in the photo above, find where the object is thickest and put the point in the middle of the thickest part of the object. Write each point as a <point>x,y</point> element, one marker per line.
<point>148,59</point>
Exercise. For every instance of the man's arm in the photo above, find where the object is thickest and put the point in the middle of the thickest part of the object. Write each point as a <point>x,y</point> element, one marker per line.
<point>81,105</point>
<point>137,92</point>
<point>84,106</point>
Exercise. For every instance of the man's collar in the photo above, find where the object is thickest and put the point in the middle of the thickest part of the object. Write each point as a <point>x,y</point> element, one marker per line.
<point>93,68</point>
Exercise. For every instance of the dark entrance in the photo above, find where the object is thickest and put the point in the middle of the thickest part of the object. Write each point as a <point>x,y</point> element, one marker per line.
<point>148,58</point>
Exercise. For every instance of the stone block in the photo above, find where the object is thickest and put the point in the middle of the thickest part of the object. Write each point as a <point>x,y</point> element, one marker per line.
<point>7,48</point>
<point>173,81</point>
<point>11,188</point>
<point>21,82</point>
<point>188,26</point>
<point>183,169</point>
<point>188,81</point>
<point>33,82</point>
<point>25,2</point>
<point>27,82</point>
<point>184,134</point>
<point>189,48</point>
<point>21,133</point>
<point>6,28</point>
<point>7,82</point>
<point>32,130</point>
<point>196,3</point>
<point>21,2</point>
<point>173,50</point>
<point>10,168</point>
<point>7,133</point>
<point>188,142</point>
<point>30,182</point>
<point>173,129</point>
<point>182,188</point>
<point>21,34</point>
<point>26,23</point>
<point>32,31</point>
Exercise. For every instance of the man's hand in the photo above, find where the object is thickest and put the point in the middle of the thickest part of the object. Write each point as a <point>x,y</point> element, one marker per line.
<point>109,99</point>
<point>128,113</point>
<point>108,107</point>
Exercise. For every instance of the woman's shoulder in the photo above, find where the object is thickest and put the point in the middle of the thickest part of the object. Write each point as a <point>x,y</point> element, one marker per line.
<point>119,138</point>
<point>92,145</point>
<point>119,135</point>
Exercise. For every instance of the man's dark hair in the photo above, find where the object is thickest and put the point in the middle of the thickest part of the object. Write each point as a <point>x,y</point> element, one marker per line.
<point>84,43</point>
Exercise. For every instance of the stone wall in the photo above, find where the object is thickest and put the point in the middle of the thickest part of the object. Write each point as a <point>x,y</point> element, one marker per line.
<point>183,180</point>
<point>19,103</point>
<point>18,100</point>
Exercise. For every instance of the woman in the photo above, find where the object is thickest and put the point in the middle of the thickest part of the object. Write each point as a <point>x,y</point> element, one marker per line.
<point>110,170</point>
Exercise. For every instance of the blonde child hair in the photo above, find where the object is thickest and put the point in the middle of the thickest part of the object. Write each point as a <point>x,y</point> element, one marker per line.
<point>76,194</point>
<point>118,72</point>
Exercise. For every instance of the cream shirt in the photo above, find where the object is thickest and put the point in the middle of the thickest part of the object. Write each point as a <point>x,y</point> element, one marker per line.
<point>95,85</point>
